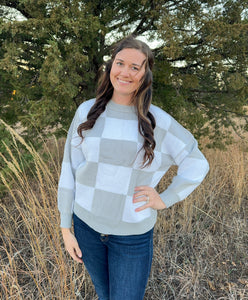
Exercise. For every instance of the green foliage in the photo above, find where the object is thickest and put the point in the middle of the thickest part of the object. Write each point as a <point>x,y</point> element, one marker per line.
<point>207,52</point>
<point>49,59</point>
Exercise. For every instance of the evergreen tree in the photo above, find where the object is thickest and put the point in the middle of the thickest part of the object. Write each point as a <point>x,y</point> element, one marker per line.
<point>49,58</point>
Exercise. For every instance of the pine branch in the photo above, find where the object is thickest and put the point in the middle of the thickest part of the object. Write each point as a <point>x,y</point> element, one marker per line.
<point>222,109</point>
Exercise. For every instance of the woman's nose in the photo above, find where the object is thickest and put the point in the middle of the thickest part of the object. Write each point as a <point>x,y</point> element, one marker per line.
<point>125,72</point>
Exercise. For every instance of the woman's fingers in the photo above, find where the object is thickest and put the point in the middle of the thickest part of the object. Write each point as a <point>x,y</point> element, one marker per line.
<point>73,253</point>
<point>141,193</point>
<point>142,188</point>
<point>150,195</point>
<point>139,197</point>
<point>78,251</point>
<point>142,207</point>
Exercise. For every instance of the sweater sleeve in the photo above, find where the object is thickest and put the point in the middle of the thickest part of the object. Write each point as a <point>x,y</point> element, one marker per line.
<point>73,156</point>
<point>192,165</point>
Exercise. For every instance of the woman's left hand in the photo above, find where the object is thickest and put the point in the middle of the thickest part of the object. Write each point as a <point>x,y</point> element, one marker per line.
<point>150,195</point>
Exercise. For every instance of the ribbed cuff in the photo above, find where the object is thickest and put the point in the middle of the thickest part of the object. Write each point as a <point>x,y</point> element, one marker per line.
<point>65,220</point>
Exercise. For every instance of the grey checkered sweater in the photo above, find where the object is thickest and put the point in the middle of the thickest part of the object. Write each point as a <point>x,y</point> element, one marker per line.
<point>99,175</point>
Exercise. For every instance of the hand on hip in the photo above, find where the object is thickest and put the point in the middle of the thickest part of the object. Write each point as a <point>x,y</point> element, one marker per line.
<point>150,195</point>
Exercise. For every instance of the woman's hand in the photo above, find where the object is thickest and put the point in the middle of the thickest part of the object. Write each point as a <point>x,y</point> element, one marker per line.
<point>71,245</point>
<point>150,195</point>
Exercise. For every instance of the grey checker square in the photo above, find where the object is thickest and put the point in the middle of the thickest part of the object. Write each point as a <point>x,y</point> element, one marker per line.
<point>196,154</point>
<point>138,178</point>
<point>166,162</point>
<point>180,132</point>
<point>66,197</point>
<point>190,146</point>
<point>159,135</point>
<point>108,206</point>
<point>117,152</point>
<point>97,129</point>
<point>86,175</point>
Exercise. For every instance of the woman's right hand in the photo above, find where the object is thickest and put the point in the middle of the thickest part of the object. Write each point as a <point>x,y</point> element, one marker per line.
<point>71,245</point>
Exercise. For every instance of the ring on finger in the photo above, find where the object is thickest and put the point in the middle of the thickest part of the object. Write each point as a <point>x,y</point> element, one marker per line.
<point>147,199</point>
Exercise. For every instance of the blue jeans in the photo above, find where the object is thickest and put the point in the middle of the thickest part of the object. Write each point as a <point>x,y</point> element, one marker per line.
<point>119,265</point>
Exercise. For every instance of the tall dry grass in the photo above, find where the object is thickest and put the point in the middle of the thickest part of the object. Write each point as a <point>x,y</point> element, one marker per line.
<point>200,245</point>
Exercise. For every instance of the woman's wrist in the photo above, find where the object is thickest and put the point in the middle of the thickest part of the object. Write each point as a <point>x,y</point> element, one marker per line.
<point>66,231</point>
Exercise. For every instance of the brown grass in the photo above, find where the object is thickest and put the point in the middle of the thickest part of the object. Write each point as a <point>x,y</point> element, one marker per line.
<point>200,244</point>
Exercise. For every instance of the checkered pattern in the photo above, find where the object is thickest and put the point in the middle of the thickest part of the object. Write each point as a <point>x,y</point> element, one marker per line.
<point>99,175</point>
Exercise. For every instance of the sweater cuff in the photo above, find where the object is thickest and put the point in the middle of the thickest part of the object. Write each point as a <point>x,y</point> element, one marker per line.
<point>65,220</point>
<point>169,198</point>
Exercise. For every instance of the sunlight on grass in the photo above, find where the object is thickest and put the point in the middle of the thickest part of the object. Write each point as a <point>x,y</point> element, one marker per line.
<point>200,244</point>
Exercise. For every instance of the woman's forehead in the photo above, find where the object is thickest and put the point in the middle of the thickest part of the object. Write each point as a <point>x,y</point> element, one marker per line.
<point>131,55</point>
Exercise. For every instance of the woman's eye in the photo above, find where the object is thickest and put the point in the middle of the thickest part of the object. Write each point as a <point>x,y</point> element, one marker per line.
<point>135,68</point>
<point>119,63</point>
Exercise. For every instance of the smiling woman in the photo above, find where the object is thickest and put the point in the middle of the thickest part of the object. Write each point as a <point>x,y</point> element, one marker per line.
<point>118,148</point>
<point>126,73</point>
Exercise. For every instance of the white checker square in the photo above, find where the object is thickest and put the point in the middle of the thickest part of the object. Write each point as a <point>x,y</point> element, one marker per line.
<point>188,170</point>
<point>90,148</point>
<point>66,178</point>
<point>129,213</point>
<point>156,163</point>
<point>163,120</point>
<point>172,144</point>
<point>76,140</point>
<point>120,129</point>
<point>113,179</point>
<point>154,166</point>
<point>77,157</point>
<point>84,196</point>
<point>157,177</point>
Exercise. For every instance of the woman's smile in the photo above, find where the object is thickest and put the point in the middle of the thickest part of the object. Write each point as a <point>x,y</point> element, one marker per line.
<point>124,81</point>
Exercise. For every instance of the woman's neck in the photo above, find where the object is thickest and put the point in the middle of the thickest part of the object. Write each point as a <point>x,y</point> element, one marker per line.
<point>122,99</point>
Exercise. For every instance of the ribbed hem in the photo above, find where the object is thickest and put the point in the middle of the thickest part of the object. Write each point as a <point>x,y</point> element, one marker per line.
<point>122,228</point>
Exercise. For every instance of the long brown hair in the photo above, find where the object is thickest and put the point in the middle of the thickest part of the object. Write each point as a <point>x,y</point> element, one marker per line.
<point>141,99</point>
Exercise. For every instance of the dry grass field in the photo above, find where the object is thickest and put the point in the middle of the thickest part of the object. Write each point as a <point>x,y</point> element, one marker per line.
<point>200,245</point>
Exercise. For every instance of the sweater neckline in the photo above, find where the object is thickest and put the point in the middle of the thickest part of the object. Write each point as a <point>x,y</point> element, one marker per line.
<point>120,107</point>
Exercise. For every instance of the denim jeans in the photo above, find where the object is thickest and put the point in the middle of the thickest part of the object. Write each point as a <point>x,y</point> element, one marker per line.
<point>119,265</point>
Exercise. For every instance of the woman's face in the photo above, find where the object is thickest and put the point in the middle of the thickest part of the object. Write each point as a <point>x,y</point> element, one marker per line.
<point>126,73</point>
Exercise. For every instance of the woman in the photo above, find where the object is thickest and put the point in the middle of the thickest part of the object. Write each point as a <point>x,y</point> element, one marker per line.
<point>118,148</point>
